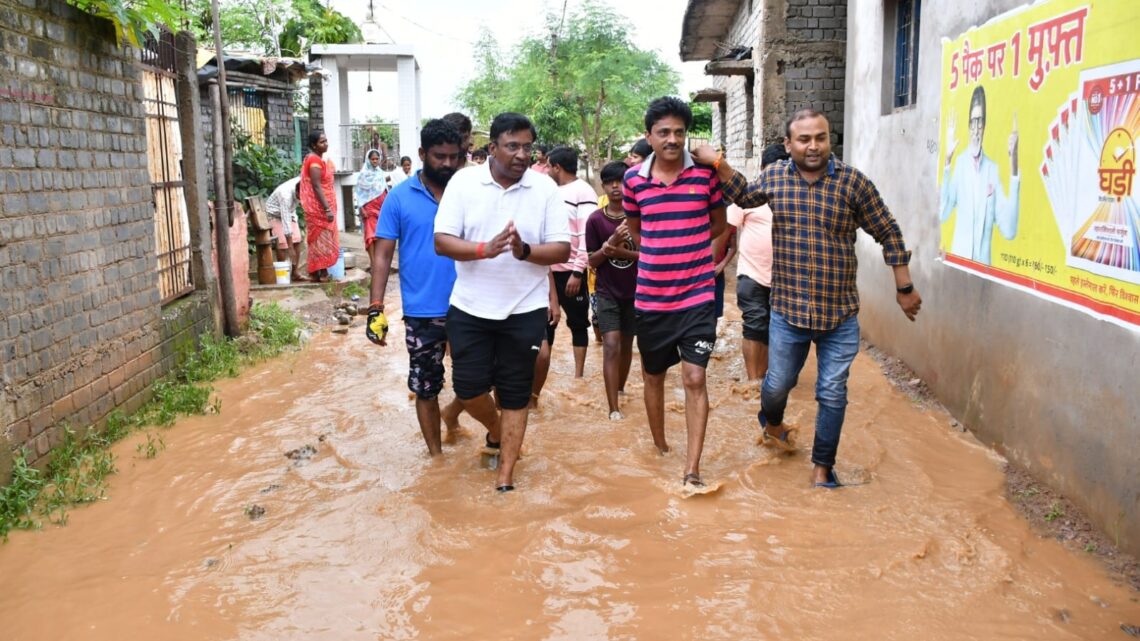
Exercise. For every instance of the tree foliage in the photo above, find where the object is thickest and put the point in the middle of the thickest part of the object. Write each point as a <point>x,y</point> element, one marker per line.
<point>273,27</point>
<point>583,82</point>
<point>133,19</point>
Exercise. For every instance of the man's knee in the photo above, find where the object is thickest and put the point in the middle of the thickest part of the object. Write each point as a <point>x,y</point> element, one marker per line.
<point>831,394</point>
<point>693,378</point>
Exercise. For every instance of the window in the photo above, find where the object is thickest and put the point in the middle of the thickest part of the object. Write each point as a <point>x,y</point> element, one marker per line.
<point>907,16</point>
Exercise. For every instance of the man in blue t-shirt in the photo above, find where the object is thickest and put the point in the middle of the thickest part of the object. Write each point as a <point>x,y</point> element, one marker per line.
<point>426,278</point>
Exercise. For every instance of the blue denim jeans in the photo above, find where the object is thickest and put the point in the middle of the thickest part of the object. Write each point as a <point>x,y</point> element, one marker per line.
<point>788,347</point>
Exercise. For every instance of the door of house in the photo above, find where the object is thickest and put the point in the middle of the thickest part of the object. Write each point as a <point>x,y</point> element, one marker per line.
<point>164,161</point>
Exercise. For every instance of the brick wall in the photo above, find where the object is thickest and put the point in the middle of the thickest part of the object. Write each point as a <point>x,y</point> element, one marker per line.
<point>745,31</point>
<point>817,80</point>
<point>81,328</point>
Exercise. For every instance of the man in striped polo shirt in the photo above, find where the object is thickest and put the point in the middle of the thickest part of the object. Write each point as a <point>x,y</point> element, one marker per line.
<point>674,208</point>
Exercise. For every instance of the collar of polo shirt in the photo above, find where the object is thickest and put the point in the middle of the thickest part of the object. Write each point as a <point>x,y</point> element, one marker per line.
<point>647,164</point>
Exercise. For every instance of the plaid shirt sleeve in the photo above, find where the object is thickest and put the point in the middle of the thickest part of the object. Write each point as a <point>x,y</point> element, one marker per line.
<point>738,191</point>
<point>872,215</point>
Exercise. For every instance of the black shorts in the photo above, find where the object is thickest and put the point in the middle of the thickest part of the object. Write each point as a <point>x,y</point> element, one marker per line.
<point>667,338</point>
<point>426,339</point>
<point>576,309</point>
<point>615,315</point>
<point>488,353</point>
<point>753,300</point>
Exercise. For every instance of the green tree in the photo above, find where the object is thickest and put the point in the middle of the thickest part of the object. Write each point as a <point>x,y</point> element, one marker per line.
<point>133,19</point>
<point>584,82</point>
<point>273,27</point>
<point>702,120</point>
<point>315,23</point>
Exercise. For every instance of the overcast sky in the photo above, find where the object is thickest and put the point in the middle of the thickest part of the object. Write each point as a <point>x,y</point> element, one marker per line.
<point>442,32</point>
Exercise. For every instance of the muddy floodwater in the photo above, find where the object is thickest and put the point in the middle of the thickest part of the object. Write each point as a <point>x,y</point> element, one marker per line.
<point>358,535</point>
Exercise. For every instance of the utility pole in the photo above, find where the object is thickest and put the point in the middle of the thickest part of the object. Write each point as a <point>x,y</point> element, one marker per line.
<point>223,183</point>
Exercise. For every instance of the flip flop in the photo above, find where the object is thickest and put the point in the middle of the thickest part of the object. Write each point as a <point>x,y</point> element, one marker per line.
<point>832,481</point>
<point>491,444</point>
<point>783,441</point>
<point>692,479</point>
<point>503,489</point>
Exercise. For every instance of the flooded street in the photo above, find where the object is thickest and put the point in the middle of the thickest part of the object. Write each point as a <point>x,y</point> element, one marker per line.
<point>364,537</point>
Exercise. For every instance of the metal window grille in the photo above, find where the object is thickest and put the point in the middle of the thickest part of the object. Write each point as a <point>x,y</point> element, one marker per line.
<point>164,163</point>
<point>908,14</point>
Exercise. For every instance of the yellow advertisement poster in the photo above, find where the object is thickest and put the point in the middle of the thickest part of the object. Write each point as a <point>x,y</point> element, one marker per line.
<point>1039,126</point>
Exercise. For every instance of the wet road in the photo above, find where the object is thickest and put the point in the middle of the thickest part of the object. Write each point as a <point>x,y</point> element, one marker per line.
<point>369,539</point>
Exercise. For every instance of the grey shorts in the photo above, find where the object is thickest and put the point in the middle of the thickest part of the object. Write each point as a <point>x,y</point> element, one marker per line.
<point>615,316</point>
<point>753,300</point>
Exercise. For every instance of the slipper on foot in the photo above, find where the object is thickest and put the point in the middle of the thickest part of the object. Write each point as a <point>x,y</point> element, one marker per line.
<point>692,479</point>
<point>832,481</point>
<point>491,444</point>
<point>783,441</point>
<point>503,489</point>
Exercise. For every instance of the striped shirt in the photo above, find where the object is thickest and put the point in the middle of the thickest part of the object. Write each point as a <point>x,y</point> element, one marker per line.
<point>675,270</point>
<point>813,238</point>
<point>581,201</point>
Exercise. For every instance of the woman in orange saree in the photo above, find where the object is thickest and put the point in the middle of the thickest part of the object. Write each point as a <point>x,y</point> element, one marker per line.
<point>318,199</point>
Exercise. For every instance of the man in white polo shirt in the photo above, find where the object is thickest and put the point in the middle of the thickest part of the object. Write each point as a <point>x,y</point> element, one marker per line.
<point>504,225</point>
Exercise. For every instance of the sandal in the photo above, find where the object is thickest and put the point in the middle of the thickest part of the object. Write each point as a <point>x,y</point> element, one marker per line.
<point>832,481</point>
<point>692,479</point>
<point>783,441</point>
<point>491,444</point>
<point>503,489</point>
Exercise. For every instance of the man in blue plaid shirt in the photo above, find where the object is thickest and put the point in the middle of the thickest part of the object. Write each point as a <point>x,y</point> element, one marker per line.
<point>817,203</point>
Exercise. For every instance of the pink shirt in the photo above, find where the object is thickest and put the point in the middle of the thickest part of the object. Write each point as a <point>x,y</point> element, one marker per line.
<point>754,242</point>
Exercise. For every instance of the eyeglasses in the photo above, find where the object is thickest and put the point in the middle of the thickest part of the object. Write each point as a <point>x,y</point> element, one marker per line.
<point>514,148</point>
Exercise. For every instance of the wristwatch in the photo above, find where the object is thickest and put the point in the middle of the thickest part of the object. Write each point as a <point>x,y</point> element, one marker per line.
<point>905,289</point>
<point>525,252</point>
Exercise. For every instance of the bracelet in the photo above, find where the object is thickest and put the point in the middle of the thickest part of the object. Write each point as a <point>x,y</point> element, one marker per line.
<point>905,289</point>
<point>719,157</point>
<point>376,304</point>
<point>480,250</point>
<point>576,273</point>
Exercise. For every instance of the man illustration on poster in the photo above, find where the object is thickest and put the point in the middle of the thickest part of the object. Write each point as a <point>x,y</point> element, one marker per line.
<point>974,187</point>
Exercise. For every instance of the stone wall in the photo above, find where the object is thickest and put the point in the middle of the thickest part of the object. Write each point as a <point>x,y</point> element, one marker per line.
<point>81,327</point>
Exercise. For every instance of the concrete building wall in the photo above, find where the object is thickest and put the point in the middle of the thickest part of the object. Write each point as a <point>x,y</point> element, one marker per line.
<point>1012,367</point>
<point>81,327</point>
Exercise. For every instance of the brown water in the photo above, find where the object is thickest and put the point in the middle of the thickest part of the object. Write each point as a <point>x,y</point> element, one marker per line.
<point>372,540</point>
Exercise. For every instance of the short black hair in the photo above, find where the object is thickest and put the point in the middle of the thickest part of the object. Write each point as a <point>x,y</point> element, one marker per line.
<point>668,106</point>
<point>403,158</point>
<point>315,137</point>
<point>509,122</point>
<point>614,171</point>
<point>438,132</point>
<point>564,157</point>
<point>801,114</point>
<point>774,152</point>
<point>641,148</point>
<point>461,122</point>
<point>479,153</point>
<point>545,149</point>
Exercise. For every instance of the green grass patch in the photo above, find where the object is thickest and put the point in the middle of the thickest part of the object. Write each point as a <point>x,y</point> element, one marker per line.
<point>79,466</point>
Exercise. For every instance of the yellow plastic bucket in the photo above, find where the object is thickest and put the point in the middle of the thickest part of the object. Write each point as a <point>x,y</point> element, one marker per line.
<point>282,269</point>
